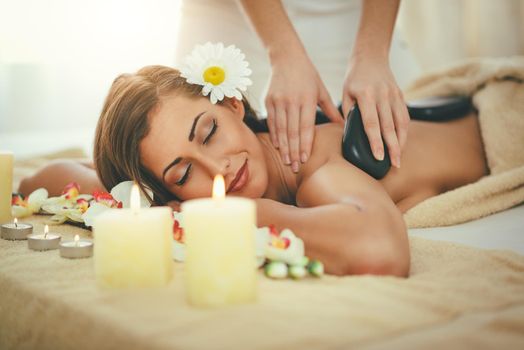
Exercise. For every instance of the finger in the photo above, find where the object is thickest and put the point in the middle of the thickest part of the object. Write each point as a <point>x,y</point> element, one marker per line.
<point>175,205</point>
<point>387,127</point>
<point>371,123</point>
<point>347,104</point>
<point>328,107</point>
<point>307,130</point>
<point>293,135</point>
<point>281,128</point>
<point>401,117</point>
<point>271,122</point>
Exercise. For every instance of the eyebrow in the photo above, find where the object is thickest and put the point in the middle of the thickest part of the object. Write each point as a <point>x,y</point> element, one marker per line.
<point>193,127</point>
<point>190,138</point>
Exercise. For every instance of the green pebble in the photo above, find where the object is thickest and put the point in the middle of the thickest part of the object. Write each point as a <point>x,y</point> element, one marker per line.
<point>276,269</point>
<point>316,268</point>
<point>297,272</point>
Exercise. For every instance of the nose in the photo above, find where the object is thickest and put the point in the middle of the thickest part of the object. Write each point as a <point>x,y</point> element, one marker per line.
<point>215,165</point>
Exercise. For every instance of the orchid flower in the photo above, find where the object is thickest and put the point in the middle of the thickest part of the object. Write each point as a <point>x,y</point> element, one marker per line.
<point>73,206</point>
<point>22,208</point>
<point>179,247</point>
<point>119,197</point>
<point>69,206</point>
<point>284,247</point>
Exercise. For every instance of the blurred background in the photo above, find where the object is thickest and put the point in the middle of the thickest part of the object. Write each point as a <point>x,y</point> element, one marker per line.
<point>59,57</point>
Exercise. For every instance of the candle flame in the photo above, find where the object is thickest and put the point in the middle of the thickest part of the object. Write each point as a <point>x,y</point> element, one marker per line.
<point>219,187</point>
<point>77,238</point>
<point>135,198</point>
<point>16,222</point>
<point>46,231</point>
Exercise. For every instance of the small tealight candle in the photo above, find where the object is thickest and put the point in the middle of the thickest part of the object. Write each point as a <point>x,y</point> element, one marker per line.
<point>76,249</point>
<point>16,231</point>
<point>46,241</point>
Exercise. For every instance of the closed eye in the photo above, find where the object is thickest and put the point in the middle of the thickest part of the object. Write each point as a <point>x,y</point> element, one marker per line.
<point>184,178</point>
<point>206,140</point>
<point>212,132</point>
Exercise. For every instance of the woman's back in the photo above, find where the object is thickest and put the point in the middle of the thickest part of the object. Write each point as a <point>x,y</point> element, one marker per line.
<point>438,157</point>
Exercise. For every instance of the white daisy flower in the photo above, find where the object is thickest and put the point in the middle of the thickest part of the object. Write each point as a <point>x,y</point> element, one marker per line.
<point>222,71</point>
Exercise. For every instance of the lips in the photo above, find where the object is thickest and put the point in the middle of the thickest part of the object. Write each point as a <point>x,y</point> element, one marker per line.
<point>240,179</point>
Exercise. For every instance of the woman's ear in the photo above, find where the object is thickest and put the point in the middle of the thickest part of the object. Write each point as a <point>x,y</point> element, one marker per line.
<point>236,106</point>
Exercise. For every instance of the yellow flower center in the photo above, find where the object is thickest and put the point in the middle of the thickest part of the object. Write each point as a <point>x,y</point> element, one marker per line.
<point>214,75</point>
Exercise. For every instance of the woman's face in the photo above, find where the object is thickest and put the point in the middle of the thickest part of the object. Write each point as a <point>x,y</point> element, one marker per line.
<point>191,140</point>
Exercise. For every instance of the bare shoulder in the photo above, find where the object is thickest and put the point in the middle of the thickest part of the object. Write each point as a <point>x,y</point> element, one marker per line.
<point>328,140</point>
<point>328,178</point>
<point>326,145</point>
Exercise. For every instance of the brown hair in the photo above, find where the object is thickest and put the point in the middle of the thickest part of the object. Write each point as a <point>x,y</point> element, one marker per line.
<point>123,123</point>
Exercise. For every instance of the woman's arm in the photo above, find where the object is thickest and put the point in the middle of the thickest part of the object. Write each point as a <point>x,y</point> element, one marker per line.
<point>346,220</point>
<point>295,87</point>
<point>56,175</point>
<point>377,22</point>
<point>370,82</point>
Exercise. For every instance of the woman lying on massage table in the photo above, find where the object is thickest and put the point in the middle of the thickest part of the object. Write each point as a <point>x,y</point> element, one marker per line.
<point>159,130</point>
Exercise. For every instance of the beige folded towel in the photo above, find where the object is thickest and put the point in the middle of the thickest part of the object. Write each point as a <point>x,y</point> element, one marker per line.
<point>497,88</point>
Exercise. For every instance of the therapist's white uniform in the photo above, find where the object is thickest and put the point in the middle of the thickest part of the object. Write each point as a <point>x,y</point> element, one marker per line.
<point>327,29</point>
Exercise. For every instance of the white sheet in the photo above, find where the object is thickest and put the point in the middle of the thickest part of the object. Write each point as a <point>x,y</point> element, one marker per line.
<point>504,230</point>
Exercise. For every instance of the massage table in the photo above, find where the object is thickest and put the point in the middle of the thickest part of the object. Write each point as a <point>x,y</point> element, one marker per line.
<point>461,294</point>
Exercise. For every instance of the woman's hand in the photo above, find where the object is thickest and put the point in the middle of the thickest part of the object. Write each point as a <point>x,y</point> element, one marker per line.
<point>371,83</point>
<point>174,204</point>
<point>295,89</point>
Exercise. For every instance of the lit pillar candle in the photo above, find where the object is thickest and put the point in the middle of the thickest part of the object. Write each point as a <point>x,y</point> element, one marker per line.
<point>220,263</point>
<point>133,246</point>
<point>6,186</point>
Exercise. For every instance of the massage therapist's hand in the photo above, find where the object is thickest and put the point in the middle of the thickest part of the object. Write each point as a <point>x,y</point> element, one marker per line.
<point>295,90</point>
<point>371,83</point>
<point>295,87</point>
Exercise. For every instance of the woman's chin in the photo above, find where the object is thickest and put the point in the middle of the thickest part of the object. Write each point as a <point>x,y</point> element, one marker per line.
<point>252,190</point>
<point>248,193</point>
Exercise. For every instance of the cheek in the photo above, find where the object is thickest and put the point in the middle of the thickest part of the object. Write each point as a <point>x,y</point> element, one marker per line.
<point>198,186</point>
